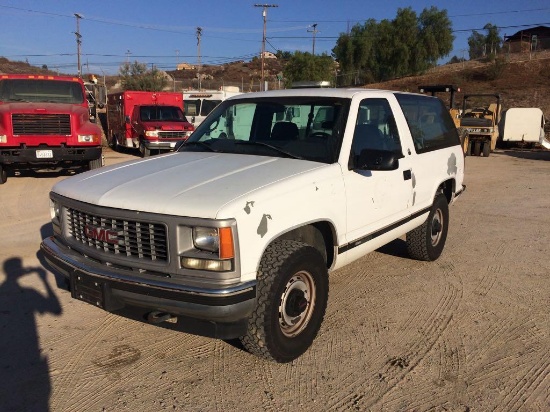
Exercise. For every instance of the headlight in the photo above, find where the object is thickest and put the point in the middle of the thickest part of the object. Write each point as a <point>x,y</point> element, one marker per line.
<point>3,138</point>
<point>54,209</point>
<point>87,138</point>
<point>152,133</point>
<point>206,238</point>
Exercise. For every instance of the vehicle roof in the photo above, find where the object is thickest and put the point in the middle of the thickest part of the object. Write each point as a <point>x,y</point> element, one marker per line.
<point>319,92</point>
<point>40,77</point>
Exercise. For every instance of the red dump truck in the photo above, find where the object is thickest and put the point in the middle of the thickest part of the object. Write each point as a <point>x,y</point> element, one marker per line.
<point>44,124</point>
<point>146,120</point>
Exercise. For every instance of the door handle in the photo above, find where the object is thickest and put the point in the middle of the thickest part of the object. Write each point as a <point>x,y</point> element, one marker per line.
<point>407,174</point>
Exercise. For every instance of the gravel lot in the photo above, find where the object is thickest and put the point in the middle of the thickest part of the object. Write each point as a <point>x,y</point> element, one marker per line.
<point>469,332</point>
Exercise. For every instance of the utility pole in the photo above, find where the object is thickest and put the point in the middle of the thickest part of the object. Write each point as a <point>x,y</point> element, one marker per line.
<point>78,42</point>
<point>264,14</point>
<point>128,53</point>
<point>199,34</point>
<point>314,31</point>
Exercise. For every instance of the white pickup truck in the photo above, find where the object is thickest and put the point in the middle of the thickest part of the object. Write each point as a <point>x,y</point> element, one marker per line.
<point>235,234</point>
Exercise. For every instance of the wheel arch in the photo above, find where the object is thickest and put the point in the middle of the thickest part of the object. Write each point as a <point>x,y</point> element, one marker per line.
<point>448,188</point>
<point>320,234</point>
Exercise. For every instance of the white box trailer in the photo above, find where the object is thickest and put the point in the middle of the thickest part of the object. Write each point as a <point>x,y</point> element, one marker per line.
<point>199,103</point>
<point>523,125</point>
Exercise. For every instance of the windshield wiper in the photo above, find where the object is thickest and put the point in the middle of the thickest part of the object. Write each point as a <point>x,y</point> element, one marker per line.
<point>197,143</point>
<point>276,148</point>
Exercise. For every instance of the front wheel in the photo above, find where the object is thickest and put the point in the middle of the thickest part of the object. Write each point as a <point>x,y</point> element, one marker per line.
<point>291,301</point>
<point>486,149</point>
<point>477,148</point>
<point>3,175</point>
<point>426,242</point>
<point>145,151</point>
<point>94,164</point>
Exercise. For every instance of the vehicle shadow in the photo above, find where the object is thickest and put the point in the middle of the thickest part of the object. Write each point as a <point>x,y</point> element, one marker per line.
<point>24,373</point>
<point>528,154</point>
<point>397,248</point>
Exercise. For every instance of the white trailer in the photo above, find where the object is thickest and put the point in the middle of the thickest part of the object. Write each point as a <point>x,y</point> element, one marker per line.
<point>523,125</point>
<point>199,103</point>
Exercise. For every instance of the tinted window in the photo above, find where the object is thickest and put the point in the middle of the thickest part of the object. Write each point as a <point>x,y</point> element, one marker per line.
<point>29,90</point>
<point>375,128</point>
<point>429,121</point>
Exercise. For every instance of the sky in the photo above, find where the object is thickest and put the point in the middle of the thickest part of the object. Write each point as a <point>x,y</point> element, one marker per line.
<point>164,32</point>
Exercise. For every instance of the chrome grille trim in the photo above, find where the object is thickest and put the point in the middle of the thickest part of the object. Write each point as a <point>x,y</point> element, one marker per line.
<point>172,135</point>
<point>136,239</point>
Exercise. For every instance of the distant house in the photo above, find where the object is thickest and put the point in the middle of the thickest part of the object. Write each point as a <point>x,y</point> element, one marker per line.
<point>533,39</point>
<point>269,55</point>
<point>185,66</point>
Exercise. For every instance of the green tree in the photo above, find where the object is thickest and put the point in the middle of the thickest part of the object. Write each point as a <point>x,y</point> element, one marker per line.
<point>136,76</point>
<point>307,67</point>
<point>481,45</point>
<point>409,44</point>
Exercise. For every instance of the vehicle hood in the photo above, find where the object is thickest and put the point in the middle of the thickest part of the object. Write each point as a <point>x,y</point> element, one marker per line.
<point>184,184</point>
<point>41,108</point>
<point>166,125</point>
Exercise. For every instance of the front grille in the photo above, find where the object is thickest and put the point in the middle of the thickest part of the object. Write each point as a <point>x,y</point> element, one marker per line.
<point>172,135</point>
<point>141,240</point>
<point>41,124</point>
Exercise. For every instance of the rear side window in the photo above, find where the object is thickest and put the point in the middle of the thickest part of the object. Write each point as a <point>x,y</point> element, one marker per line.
<point>429,121</point>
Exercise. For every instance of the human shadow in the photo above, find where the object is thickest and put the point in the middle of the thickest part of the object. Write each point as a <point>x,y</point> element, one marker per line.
<point>24,373</point>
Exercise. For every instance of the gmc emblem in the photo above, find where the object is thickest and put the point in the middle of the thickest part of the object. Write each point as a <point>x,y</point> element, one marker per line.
<point>101,234</point>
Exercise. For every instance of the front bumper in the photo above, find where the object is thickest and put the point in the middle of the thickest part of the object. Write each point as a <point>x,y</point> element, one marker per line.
<point>221,312</point>
<point>161,144</point>
<point>54,155</point>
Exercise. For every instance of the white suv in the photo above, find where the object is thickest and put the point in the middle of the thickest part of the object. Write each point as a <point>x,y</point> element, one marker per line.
<point>235,234</point>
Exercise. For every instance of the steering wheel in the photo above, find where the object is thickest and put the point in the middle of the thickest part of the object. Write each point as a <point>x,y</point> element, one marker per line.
<point>320,135</point>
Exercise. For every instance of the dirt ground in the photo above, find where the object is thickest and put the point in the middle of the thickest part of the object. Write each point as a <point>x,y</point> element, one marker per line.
<point>469,332</point>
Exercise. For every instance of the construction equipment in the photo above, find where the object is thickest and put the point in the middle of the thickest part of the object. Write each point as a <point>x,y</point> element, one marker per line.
<point>454,111</point>
<point>481,122</point>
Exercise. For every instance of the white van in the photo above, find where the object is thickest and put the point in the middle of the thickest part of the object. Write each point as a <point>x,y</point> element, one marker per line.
<point>198,103</point>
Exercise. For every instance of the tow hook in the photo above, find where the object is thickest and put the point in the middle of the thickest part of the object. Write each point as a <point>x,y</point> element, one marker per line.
<point>159,317</point>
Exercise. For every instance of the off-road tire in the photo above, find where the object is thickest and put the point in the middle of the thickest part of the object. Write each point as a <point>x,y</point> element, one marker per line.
<point>426,242</point>
<point>486,149</point>
<point>275,330</point>
<point>3,175</point>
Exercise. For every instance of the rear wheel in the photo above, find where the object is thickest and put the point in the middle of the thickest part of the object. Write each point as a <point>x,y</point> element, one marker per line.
<point>3,175</point>
<point>426,242</point>
<point>291,302</point>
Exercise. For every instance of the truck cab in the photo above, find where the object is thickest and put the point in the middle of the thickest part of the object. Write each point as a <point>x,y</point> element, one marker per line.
<point>45,124</point>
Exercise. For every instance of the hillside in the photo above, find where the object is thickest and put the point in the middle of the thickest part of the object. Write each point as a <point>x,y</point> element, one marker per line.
<point>521,80</point>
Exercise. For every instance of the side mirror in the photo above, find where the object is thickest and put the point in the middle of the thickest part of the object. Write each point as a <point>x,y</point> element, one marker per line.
<point>127,119</point>
<point>372,159</point>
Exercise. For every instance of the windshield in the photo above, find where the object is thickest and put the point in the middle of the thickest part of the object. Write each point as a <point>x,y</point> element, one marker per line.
<point>31,90</point>
<point>309,128</point>
<point>164,113</point>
